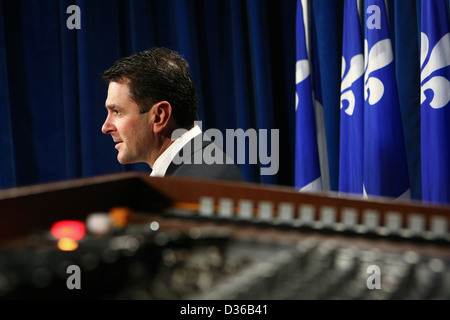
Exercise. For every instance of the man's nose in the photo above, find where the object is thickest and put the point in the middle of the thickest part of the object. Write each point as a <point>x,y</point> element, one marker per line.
<point>108,127</point>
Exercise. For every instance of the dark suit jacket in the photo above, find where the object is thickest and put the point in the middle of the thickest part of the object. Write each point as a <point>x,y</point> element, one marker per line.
<point>190,166</point>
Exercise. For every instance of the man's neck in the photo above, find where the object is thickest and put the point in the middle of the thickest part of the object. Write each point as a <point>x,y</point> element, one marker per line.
<point>165,156</point>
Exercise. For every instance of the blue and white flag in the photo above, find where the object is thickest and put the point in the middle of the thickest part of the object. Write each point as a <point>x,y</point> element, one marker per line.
<point>385,165</point>
<point>435,101</point>
<point>352,103</point>
<point>311,162</point>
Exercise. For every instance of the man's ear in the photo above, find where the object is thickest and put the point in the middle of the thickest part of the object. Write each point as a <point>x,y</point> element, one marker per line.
<point>162,114</point>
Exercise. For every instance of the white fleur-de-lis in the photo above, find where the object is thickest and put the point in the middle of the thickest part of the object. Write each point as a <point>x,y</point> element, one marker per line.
<point>302,71</point>
<point>380,56</point>
<point>438,58</point>
<point>355,71</point>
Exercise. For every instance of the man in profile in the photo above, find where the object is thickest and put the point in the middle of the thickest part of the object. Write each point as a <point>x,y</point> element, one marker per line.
<point>151,95</point>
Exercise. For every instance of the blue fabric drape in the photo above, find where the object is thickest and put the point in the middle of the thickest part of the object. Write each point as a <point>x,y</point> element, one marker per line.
<point>329,25</point>
<point>7,174</point>
<point>407,62</point>
<point>52,97</point>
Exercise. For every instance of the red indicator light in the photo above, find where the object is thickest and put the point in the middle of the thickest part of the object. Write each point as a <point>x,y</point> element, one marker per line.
<point>68,229</point>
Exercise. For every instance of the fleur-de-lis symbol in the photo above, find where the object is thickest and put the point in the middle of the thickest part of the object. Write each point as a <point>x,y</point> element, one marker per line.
<point>355,71</point>
<point>380,56</point>
<point>302,71</point>
<point>438,58</point>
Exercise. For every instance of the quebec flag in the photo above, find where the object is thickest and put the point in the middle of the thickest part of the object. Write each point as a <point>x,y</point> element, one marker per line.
<point>435,101</point>
<point>311,162</point>
<point>352,103</point>
<point>385,165</point>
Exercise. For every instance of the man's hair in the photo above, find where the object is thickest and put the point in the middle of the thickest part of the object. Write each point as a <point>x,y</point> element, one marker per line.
<point>158,74</point>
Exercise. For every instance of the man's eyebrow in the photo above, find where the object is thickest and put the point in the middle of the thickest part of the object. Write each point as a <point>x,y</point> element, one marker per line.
<point>112,106</point>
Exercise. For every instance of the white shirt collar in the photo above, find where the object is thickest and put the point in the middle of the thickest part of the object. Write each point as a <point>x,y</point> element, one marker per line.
<point>162,163</point>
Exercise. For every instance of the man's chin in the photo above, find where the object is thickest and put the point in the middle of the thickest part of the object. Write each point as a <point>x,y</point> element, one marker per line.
<point>123,160</point>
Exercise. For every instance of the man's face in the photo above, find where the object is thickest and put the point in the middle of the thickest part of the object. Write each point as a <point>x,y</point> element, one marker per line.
<point>130,129</point>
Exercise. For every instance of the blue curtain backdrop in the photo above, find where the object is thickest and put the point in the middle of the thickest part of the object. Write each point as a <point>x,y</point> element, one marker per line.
<point>52,97</point>
<point>242,55</point>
